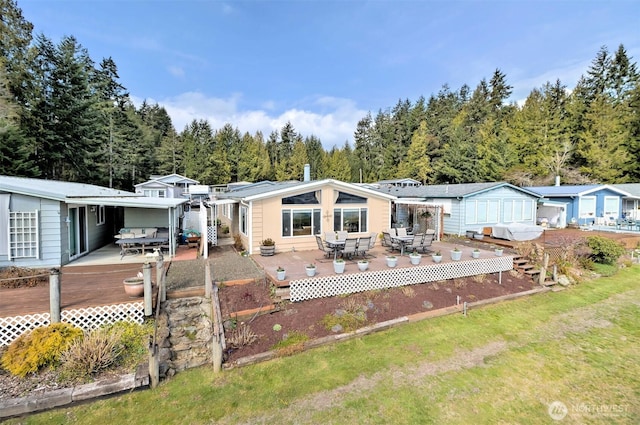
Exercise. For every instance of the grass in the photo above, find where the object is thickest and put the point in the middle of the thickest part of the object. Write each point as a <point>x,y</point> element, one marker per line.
<point>500,364</point>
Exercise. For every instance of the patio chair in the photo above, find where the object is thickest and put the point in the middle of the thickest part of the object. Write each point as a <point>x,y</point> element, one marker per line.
<point>389,243</point>
<point>342,234</point>
<point>427,240</point>
<point>364,245</point>
<point>374,236</point>
<point>416,243</point>
<point>401,231</point>
<point>326,250</point>
<point>350,248</point>
<point>329,236</point>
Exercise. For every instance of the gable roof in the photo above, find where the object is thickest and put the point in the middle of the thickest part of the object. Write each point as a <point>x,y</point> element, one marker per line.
<point>575,190</point>
<point>268,189</point>
<point>445,191</point>
<point>82,193</point>
<point>169,180</point>
<point>632,189</point>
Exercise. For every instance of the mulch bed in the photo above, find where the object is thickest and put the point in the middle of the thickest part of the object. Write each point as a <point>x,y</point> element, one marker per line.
<point>379,306</point>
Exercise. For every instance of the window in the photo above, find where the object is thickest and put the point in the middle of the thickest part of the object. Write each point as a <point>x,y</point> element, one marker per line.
<point>350,219</point>
<point>516,210</point>
<point>309,198</point>
<point>587,206</point>
<point>154,193</point>
<point>23,235</point>
<point>244,225</point>
<point>100,216</point>
<point>348,198</point>
<point>481,211</point>
<point>300,222</point>
<point>611,206</point>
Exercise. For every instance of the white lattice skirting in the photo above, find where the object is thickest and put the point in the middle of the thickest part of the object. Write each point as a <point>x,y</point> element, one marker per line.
<point>86,318</point>
<point>328,286</point>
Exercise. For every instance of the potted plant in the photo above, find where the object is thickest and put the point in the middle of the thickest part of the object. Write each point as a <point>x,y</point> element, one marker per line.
<point>280,272</point>
<point>310,269</point>
<point>134,286</point>
<point>363,265</point>
<point>415,257</point>
<point>436,257</point>
<point>267,247</point>
<point>456,254</point>
<point>499,252</point>
<point>392,260</point>
<point>475,253</point>
<point>338,265</point>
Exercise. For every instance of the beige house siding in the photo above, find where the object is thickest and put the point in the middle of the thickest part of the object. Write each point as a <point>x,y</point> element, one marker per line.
<point>266,219</point>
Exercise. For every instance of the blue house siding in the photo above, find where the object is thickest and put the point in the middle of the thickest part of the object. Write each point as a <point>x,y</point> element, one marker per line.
<point>587,208</point>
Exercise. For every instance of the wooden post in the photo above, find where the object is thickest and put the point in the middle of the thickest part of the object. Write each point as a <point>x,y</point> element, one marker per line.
<point>54,296</point>
<point>555,272</point>
<point>148,295</point>
<point>207,279</point>
<point>218,334</point>
<point>160,278</point>
<point>543,270</point>
<point>154,365</point>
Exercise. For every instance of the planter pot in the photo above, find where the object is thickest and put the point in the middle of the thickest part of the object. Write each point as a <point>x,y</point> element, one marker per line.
<point>475,254</point>
<point>134,286</point>
<point>436,258</point>
<point>478,236</point>
<point>456,255</point>
<point>392,261</point>
<point>499,252</point>
<point>311,271</point>
<point>281,274</point>
<point>338,266</point>
<point>363,265</point>
<point>267,251</point>
<point>415,259</point>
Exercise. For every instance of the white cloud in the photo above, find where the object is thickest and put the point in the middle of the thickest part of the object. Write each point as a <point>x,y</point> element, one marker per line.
<point>176,71</point>
<point>332,120</point>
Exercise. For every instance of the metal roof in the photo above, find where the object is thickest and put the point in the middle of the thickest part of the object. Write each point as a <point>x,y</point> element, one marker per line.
<point>449,190</point>
<point>576,190</point>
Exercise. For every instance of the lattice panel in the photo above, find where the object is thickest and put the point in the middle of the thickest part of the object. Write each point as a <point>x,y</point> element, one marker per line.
<point>349,283</point>
<point>212,234</point>
<point>85,318</point>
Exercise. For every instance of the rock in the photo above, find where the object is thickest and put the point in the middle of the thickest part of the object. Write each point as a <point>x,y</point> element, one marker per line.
<point>337,329</point>
<point>427,305</point>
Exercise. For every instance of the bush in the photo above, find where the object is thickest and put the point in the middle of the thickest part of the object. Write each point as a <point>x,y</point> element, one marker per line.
<point>39,348</point>
<point>97,351</point>
<point>134,339</point>
<point>292,343</point>
<point>241,336</point>
<point>604,250</point>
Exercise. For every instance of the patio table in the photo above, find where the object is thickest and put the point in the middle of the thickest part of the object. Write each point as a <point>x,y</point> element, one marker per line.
<point>335,244</point>
<point>130,244</point>
<point>402,241</point>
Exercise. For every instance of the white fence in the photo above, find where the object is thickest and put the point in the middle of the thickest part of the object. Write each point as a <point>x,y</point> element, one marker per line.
<point>86,318</point>
<point>306,289</point>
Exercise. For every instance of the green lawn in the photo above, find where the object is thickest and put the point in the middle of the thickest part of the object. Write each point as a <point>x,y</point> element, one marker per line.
<point>501,364</point>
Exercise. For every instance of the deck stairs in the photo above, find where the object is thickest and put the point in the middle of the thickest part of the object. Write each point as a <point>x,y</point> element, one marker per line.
<point>522,265</point>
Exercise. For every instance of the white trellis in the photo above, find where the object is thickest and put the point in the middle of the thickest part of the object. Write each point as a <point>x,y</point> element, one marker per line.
<point>85,318</point>
<point>339,284</point>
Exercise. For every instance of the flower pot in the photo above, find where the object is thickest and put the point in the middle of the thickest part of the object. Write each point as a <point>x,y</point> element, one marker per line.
<point>456,255</point>
<point>436,258</point>
<point>415,259</point>
<point>392,261</point>
<point>134,286</point>
<point>311,271</point>
<point>281,274</point>
<point>363,265</point>
<point>499,252</point>
<point>267,250</point>
<point>475,254</point>
<point>338,266</point>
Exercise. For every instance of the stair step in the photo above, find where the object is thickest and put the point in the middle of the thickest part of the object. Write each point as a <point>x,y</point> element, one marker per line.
<point>532,272</point>
<point>526,267</point>
<point>519,261</point>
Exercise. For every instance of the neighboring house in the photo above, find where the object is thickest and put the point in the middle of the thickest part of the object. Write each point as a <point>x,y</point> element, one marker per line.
<point>630,204</point>
<point>398,183</point>
<point>586,204</point>
<point>468,207</point>
<point>170,186</point>
<point>293,213</point>
<point>48,223</point>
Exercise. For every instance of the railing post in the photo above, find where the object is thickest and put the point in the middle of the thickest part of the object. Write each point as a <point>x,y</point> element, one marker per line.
<point>54,296</point>
<point>162,285</point>
<point>148,295</point>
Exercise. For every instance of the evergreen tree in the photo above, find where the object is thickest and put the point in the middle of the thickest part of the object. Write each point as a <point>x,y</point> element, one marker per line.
<point>417,163</point>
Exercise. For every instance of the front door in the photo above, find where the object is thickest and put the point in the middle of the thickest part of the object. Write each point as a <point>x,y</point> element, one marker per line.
<point>77,232</point>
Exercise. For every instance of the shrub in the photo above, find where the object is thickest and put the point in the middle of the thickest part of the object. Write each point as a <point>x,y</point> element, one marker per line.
<point>134,339</point>
<point>605,250</point>
<point>237,243</point>
<point>97,351</point>
<point>39,348</point>
<point>292,343</point>
<point>241,336</point>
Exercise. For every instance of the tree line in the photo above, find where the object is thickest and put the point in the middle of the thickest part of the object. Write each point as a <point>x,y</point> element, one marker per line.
<point>65,117</point>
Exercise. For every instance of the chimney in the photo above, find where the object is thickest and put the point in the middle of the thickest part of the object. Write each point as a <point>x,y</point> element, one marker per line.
<point>307,173</point>
<point>557,180</point>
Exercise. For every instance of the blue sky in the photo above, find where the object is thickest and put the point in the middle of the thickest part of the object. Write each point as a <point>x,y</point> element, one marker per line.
<point>322,65</point>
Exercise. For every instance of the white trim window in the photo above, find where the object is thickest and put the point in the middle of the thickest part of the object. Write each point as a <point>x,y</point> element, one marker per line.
<point>611,207</point>
<point>587,207</point>
<point>481,211</point>
<point>244,220</point>
<point>155,193</point>
<point>300,222</point>
<point>23,235</point>
<point>100,215</point>
<point>518,210</point>
<point>352,220</point>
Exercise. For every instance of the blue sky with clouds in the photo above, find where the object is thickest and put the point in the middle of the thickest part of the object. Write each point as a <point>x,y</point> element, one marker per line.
<point>322,65</point>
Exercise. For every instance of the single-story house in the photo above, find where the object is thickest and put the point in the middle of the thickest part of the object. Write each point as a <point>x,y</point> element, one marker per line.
<point>586,204</point>
<point>470,206</point>
<point>169,186</point>
<point>630,205</point>
<point>49,223</point>
<point>293,213</point>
